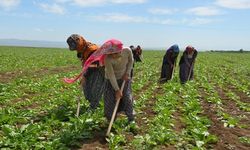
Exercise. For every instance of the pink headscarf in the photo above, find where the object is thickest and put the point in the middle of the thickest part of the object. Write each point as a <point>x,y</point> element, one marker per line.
<point>109,47</point>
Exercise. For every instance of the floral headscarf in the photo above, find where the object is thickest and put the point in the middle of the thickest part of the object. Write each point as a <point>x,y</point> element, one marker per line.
<point>189,48</point>
<point>109,47</point>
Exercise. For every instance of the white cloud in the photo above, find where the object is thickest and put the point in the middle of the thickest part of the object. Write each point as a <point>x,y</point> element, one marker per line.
<point>62,1</point>
<point>43,30</point>
<point>9,4</point>
<point>160,11</point>
<point>38,29</point>
<point>123,18</point>
<point>198,21</point>
<point>166,21</point>
<point>52,8</point>
<point>22,15</point>
<point>86,3</point>
<point>204,11</point>
<point>234,4</point>
<point>128,1</point>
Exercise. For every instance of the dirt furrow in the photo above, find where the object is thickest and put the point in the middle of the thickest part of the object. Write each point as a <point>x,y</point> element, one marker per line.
<point>243,97</point>
<point>231,108</point>
<point>7,77</point>
<point>227,137</point>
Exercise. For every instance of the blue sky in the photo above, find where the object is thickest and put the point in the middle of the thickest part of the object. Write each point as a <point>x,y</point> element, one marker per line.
<point>205,24</point>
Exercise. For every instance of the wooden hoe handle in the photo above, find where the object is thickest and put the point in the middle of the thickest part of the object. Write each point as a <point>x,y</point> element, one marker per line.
<point>115,110</point>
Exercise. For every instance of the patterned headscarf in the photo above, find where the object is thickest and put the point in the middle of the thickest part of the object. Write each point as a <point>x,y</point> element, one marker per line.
<point>109,47</point>
<point>81,42</point>
<point>189,49</point>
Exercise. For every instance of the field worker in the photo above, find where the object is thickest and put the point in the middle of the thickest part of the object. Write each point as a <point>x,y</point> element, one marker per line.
<point>168,63</point>
<point>132,47</point>
<point>187,64</point>
<point>118,65</point>
<point>137,52</point>
<point>93,78</point>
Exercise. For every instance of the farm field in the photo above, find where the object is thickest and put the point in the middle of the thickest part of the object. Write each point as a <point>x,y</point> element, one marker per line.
<point>37,110</point>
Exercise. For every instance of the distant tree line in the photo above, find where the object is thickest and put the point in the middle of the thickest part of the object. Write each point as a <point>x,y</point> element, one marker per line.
<point>231,51</point>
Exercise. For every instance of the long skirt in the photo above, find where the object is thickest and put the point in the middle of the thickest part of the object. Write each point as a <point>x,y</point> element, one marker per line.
<point>125,104</point>
<point>94,86</point>
<point>166,69</point>
<point>185,71</point>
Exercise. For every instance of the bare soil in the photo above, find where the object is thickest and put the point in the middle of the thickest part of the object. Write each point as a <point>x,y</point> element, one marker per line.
<point>6,77</point>
<point>227,137</point>
<point>231,108</point>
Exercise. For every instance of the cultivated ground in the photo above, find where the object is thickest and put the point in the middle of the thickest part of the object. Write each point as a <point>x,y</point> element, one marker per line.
<point>37,110</point>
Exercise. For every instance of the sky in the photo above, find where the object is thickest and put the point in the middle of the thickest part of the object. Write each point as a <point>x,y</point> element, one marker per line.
<point>204,24</point>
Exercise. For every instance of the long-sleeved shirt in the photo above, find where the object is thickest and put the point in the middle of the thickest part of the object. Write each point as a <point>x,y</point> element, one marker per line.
<point>115,68</point>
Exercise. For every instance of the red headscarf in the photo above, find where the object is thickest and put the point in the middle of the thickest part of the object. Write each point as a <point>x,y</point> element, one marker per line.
<point>189,49</point>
